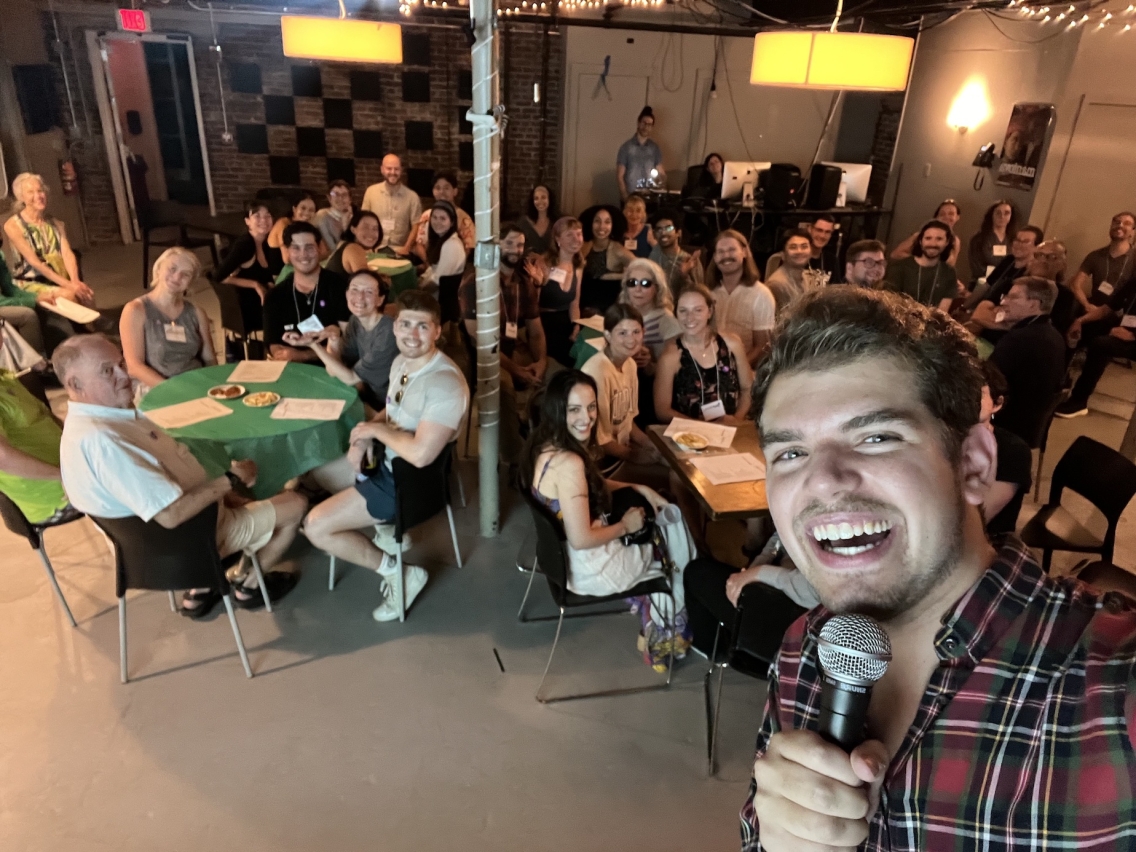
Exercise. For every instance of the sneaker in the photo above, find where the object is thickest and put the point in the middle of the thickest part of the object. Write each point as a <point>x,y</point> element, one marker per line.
<point>384,539</point>
<point>414,579</point>
<point>1071,408</point>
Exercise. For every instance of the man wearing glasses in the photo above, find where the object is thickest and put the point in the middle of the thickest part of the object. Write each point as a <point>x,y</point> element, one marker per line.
<point>682,268</point>
<point>310,302</point>
<point>332,220</point>
<point>426,401</point>
<point>865,264</point>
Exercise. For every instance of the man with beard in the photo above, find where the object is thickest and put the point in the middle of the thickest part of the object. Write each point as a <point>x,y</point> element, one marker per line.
<point>309,302</point>
<point>926,276</point>
<point>1106,268</point>
<point>744,305</point>
<point>1004,712</point>
<point>519,307</point>
<point>865,264</point>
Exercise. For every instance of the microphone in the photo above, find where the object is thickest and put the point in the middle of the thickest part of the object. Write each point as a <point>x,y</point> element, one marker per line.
<point>854,652</point>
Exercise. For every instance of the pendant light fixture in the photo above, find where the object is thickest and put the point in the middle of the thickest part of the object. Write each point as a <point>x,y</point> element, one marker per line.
<point>340,39</point>
<point>804,59</point>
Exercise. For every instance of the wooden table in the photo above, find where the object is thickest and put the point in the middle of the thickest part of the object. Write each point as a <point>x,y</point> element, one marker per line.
<point>737,500</point>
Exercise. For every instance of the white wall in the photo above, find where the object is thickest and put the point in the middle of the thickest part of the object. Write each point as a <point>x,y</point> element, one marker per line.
<point>672,73</point>
<point>1014,69</point>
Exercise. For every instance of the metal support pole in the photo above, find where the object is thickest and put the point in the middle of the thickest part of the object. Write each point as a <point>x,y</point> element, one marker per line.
<point>488,118</point>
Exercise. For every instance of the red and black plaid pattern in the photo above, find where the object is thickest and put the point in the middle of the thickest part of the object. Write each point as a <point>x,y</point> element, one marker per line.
<point>1024,737</point>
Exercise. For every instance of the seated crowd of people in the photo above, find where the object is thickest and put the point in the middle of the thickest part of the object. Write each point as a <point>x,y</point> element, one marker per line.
<point>701,335</point>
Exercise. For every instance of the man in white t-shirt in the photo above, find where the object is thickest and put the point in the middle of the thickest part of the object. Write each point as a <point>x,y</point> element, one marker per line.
<point>426,401</point>
<point>117,464</point>
<point>745,306</point>
<point>397,205</point>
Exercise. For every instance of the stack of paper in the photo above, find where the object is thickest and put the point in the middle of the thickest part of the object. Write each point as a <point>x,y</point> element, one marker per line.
<point>308,409</point>
<point>187,413</point>
<point>73,311</point>
<point>735,467</point>
<point>257,372</point>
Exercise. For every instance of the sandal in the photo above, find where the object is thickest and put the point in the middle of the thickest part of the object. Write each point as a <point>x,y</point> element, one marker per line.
<point>205,602</point>
<point>278,583</point>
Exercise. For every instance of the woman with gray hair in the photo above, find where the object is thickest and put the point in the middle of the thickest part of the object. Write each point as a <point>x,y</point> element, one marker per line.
<point>46,263</point>
<point>644,287</point>
<point>163,334</point>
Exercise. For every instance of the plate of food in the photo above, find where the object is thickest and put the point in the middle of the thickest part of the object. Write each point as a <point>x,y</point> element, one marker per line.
<point>262,399</point>
<point>691,441</point>
<point>226,391</point>
<point>389,265</point>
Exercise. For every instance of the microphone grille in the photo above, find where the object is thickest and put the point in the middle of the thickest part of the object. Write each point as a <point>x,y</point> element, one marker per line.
<point>854,648</point>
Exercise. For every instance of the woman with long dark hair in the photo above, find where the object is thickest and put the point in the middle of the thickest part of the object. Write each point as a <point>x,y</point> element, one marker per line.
<point>303,210</point>
<point>540,213</point>
<point>709,183</point>
<point>558,470</point>
<point>560,279</point>
<point>362,236</point>
<point>992,242</point>
<point>445,258</point>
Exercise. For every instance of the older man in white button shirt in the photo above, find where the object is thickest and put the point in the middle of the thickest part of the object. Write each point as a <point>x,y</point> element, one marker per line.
<point>117,464</point>
<point>397,205</point>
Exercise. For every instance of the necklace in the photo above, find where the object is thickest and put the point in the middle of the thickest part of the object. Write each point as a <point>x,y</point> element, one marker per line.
<point>308,297</point>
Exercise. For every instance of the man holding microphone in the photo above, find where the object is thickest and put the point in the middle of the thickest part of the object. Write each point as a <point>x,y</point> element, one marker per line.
<point>1003,720</point>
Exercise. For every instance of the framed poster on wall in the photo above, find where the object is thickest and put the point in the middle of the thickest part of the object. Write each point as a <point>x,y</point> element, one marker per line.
<point>1027,136</point>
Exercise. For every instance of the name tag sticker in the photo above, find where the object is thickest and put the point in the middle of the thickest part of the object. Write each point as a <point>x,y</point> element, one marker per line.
<point>388,226</point>
<point>989,271</point>
<point>631,245</point>
<point>999,251</point>
<point>557,274</point>
<point>311,325</point>
<point>1105,288</point>
<point>713,410</point>
<point>175,333</point>
<point>511,330</point>
<point>1128,321</point>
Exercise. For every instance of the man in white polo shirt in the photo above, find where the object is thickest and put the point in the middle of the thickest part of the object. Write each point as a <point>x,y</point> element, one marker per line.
<point>426,401</point>
<point>117,464</point>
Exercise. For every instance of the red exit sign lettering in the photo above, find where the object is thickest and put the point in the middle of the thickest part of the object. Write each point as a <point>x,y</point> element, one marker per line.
<point>134,20</point>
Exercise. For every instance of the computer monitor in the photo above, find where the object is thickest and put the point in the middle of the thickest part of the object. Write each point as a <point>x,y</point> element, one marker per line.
<point>736,175</point>
<point>856,177</point>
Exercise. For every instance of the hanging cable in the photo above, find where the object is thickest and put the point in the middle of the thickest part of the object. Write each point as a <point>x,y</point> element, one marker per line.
<point>226,135</point>
<point>75,131</point>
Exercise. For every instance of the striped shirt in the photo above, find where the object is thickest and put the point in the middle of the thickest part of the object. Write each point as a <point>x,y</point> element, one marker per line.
<point>1024,737</point>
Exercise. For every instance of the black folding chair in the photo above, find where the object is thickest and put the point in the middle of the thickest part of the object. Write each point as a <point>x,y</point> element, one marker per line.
<point>162,215</point>
<point>15,521</point>
<point>420,494</point>
<point>552,562</point>
<point>1103,477</point>
<point>149,556</point>
<point>232,320</point>
<point>1043,439</point>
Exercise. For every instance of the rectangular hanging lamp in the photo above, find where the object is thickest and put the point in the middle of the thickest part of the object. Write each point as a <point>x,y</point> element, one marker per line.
<point>827,60</point>
<point>340,39</point>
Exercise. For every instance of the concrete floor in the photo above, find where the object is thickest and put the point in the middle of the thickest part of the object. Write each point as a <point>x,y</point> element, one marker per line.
<point>356,735</point>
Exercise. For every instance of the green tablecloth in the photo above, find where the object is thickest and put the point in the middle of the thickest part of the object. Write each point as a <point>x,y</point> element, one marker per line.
<point>581,350</point>
<point>282,449</point>
<point>404,278</point>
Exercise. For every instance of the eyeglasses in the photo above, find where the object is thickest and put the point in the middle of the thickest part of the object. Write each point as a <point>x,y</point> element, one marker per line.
<point>640,282</point>
<point>872,264</point>
<point>664,229</point>
<point>402,387</point>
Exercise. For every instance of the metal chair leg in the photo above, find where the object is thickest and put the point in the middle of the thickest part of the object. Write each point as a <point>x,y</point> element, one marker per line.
<point>260,582</point>
<point>228,599</point>
<point>55,583</point>
<point>524,600</point>
<point>453,534</point>
<point>122,637</point>
<point>1037,479</point>
<point>548,665</point>
<point>461,484</point>
<point>173,601</point>
<point>712,707</point>
<point>331,574</point>
<point>399,586</point>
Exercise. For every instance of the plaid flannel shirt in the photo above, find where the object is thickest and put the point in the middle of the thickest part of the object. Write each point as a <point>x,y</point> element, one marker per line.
<point>1024,737</point>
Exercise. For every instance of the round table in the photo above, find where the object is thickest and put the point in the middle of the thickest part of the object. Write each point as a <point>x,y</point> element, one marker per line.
<point>282,449</point>
<point>400,270</point>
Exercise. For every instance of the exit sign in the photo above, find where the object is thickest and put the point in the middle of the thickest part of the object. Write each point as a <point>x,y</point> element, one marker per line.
<point>134,20</point>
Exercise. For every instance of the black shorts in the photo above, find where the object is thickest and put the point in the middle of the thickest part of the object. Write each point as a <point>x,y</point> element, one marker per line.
<point>379,492</point>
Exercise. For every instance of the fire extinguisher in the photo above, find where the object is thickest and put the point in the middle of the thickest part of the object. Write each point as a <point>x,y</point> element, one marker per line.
<point>68,177</point>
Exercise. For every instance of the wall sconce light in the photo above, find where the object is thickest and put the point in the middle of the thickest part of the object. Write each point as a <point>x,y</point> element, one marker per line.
<point>971,106</point>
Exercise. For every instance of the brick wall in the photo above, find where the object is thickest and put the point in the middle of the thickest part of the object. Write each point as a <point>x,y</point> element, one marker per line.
<point>237,174</point>
<point>883,145</point>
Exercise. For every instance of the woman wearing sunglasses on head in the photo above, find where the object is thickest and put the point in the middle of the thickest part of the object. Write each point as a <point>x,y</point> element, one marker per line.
<point>705,375</point>
<point>644,288</point>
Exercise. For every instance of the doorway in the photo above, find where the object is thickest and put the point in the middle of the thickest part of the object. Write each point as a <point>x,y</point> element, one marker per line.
<point>151,114</point>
